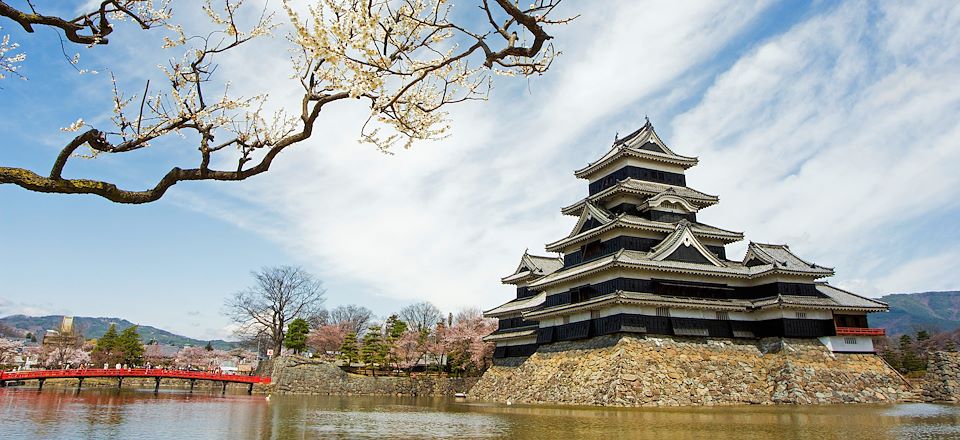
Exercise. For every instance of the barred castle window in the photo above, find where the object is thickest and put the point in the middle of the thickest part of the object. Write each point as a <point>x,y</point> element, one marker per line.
<point>850,341</point>
<point>801,315</point>
<point>723,316</point>
<point>594,314</point>
<point>566,319</point>
<point>663,312</point>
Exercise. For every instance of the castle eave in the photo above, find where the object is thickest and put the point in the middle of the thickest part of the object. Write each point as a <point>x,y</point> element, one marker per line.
<point>516,306</point>
<point>507,336</point>
<point>642,187</point>
<point>639,223</point>
<point>620,151</point>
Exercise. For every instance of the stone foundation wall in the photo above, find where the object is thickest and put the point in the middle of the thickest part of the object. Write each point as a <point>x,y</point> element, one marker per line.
<point>942,382</point>
<point>663,371</point>
<point>297,375</point>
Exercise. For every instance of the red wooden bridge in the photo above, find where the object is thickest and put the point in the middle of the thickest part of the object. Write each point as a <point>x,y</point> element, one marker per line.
<point>121,373</point>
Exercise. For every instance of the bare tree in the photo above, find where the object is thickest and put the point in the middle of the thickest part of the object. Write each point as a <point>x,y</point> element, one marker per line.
<point>408,61</point>
<point>421,316</point>
<point>468,314</point>
<point>353,318</point>
<point>280,295</point>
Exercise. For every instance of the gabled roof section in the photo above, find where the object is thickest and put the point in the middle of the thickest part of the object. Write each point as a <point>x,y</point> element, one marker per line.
<point>780,257</point>
<point>533,266</point>
<point>591,212</point>
<point>643,143</point>
<point>644,188</point>
<point>634,222</point>
<point>671,198</point>
<point>680,245</point>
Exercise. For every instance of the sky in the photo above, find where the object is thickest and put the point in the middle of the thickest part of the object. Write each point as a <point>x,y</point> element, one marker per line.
<point>828,126</point>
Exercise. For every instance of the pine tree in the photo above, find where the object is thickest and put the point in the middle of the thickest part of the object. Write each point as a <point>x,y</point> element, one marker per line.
<point>395,330</point>
<point>349,351</point>
<point>131,346</point>
<point>296,337</point>
<point>104,351</point>
<point>374,351</point>
<point>395,327</point>
<point>909,361</point>
<point>890,354</point>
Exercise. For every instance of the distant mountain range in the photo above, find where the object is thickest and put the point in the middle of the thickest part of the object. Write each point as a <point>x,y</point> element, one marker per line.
<point>96,327</point>
<point>909,312</point>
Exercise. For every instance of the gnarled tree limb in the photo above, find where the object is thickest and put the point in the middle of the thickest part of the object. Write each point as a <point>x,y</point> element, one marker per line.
<point>404,65</point>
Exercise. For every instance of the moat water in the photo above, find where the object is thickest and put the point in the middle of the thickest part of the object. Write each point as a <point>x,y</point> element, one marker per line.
<point>174,414</point>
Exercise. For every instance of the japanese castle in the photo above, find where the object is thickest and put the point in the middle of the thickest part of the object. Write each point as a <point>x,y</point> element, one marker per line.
<point>638,261</point>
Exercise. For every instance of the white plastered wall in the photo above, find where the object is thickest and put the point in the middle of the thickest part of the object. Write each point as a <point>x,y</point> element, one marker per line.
<point>849,344</point>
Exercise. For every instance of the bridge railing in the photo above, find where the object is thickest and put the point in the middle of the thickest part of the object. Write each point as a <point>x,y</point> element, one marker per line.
<point>130,372</point>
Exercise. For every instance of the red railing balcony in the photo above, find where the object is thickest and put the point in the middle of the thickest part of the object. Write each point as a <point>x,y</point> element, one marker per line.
<point>859,331</point>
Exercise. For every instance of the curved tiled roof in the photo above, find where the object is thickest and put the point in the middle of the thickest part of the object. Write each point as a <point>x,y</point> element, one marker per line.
<point>533,266</point>
<point>643,187</point>
<point>639,259</point>
<point>780,256</point>
<point>517,305</point>
<point>835,299</point>
<point>632,221</point>
<point>643,143</point>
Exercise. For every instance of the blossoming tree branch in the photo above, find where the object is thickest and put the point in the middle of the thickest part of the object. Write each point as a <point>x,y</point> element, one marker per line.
<point>408,60</point>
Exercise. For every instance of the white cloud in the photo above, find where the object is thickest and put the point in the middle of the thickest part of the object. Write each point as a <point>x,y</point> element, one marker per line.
<point>9,307</point>
<point>935,272</point>
<point>835,135</point>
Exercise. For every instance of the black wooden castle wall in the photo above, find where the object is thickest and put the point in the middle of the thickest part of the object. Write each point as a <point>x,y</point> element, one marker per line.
<point>639,173</point>
<point>599,249</point>
<point>680,288</point>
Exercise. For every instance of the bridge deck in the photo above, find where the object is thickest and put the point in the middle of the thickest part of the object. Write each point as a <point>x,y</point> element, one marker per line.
<point>130,372</point>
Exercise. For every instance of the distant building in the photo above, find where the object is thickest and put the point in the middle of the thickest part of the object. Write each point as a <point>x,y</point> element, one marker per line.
<point>67,335</point>
<point>639,261</point>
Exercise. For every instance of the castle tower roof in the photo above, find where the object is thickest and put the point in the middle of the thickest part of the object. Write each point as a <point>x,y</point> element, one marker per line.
<point>642,144</point>
<point>532,267</point>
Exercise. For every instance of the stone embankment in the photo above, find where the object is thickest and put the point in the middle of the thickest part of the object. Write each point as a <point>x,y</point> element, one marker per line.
<point>942,381</point>
<point>298,375</point>
<point>661,371</point>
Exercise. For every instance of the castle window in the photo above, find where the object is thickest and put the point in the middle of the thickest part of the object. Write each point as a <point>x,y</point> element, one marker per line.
<point>850,341</point>
<point>566,319</point>
<point>723,316</point>
<point>801,315</point>
<point>592,250</point>
<point>594,314</point>
<point>663,312</point>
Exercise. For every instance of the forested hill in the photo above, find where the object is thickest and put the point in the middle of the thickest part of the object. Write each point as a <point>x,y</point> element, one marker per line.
<point>96,327</point>
<point>909,312</point>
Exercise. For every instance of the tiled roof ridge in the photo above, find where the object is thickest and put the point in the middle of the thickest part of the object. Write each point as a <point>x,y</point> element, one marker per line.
<point>851,293</point>
<point>760,246</point>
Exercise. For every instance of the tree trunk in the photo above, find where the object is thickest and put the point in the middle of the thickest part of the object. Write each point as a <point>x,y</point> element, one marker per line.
<point>276,348</point>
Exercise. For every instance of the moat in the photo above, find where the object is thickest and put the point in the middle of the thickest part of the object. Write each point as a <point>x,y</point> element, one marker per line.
<point>108,414</point>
